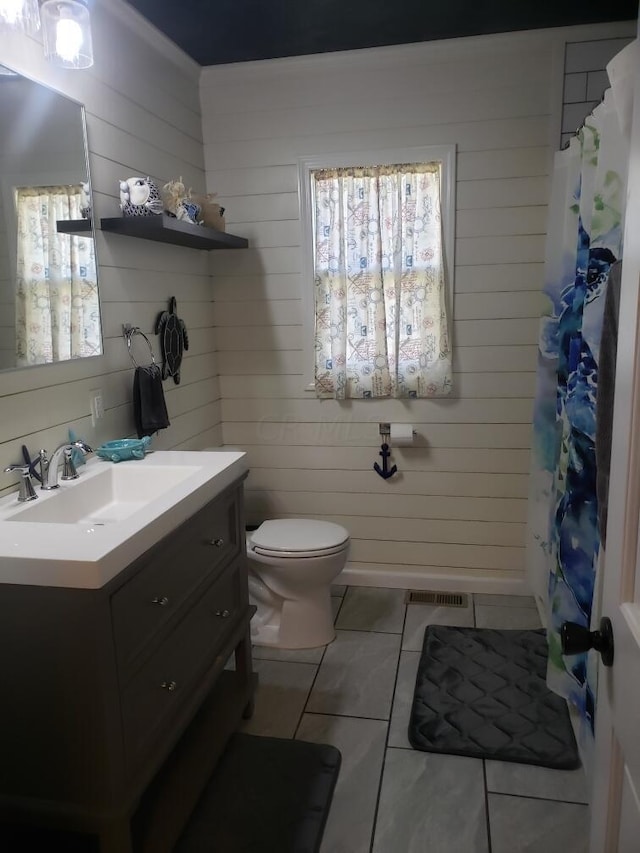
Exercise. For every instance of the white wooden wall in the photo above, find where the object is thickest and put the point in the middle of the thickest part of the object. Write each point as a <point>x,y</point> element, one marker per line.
<point>143,117</point>
<point>456,513</point>
<point>454,517</point>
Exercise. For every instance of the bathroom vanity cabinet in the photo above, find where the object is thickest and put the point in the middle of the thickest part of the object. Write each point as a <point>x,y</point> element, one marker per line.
<point>116,703</point>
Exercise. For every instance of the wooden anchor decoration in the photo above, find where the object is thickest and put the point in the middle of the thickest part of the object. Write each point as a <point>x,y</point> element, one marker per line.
<point>385,472</point>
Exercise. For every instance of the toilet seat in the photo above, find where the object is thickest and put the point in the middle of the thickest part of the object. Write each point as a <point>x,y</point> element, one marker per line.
<point>299,538</point>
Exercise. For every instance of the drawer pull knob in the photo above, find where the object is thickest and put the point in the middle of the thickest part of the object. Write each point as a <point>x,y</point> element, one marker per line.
<point>217,542</point>
<point>223,613</point>
<point>170,686</point>
<point>161,601</point>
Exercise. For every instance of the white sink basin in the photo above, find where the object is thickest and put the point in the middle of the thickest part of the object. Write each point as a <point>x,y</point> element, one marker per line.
<point>112,495</point>
<point>82,534</point>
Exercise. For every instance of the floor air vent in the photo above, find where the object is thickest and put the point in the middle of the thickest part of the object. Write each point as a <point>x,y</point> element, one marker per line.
<point>440,599</point>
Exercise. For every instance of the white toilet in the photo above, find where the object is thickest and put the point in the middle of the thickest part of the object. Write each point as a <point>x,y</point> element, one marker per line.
<point>292,563</point>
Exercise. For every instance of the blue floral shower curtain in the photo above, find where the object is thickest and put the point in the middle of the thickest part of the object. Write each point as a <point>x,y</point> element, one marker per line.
<point>584,240</point>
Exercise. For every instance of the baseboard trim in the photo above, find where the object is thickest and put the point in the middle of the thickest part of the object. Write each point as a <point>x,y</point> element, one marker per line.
<point>415,577</point>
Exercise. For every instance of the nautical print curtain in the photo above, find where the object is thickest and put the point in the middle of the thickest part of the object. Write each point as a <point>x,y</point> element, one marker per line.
<point>584,240</point>
<point>381,321</point>
<point>57,309</point>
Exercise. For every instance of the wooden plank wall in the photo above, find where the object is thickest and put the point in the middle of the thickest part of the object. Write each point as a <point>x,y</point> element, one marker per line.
<point>454,517</point>
<point>143,117</point>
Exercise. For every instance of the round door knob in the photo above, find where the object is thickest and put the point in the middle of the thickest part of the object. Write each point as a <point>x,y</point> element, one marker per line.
<point>170,686</point>
<point>217,542</point>
<point>161,601</point>
<point>576,639</point>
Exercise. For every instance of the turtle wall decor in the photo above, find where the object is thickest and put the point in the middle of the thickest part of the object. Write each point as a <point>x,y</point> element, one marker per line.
<point>173,340</point>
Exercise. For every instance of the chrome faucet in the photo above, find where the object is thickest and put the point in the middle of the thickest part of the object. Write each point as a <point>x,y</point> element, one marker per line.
<point>49,467</point>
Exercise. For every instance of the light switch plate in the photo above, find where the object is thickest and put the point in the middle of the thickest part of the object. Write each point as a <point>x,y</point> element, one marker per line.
<point>96,405</point>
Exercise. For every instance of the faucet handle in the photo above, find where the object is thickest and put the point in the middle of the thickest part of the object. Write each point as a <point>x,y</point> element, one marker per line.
<point>43,460</point>
<point>26,492</point>
<point>68,467</point>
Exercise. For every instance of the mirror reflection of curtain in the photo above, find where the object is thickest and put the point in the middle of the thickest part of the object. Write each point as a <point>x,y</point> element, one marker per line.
<point>57,309</point>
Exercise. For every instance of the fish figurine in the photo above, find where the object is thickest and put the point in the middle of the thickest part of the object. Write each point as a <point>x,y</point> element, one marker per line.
<point>140,197</point>
<point>188,211</point>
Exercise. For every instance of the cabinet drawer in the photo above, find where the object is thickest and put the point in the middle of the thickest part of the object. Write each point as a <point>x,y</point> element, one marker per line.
<point>170,573</point>
<point>162,687</point>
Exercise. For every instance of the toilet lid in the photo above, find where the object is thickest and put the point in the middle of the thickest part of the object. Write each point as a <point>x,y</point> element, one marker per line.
<point>299,536</point>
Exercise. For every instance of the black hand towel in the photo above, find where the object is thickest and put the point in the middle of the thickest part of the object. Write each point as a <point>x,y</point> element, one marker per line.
<point>149,407</point>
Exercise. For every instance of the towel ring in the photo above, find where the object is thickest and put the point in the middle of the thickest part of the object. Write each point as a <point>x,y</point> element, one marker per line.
<point>129,331</point>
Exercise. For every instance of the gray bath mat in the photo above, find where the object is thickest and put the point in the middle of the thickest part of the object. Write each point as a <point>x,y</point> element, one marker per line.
<point>482,693</point>
<point>266,794</point>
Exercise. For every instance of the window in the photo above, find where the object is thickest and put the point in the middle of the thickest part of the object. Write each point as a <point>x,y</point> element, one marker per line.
<point>377,258</point>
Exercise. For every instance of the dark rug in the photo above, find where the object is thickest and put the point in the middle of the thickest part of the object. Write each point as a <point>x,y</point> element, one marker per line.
<point>28,839</point>
<point>482,693</point>
<point>266,794</point>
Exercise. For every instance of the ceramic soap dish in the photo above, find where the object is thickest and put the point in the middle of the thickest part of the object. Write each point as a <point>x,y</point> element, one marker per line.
<point>124,449</point>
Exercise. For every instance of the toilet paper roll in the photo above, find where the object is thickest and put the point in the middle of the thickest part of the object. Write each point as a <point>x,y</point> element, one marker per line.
<point>401,434</point>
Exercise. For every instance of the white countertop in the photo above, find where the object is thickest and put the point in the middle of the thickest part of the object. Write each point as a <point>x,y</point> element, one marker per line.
<point>86,556</point>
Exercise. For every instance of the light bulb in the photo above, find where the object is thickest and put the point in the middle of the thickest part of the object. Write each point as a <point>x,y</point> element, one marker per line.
<point>68,39</point>
<point>67,33</point>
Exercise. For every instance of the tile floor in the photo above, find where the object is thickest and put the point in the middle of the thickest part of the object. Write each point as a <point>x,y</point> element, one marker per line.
<point>356,694</point>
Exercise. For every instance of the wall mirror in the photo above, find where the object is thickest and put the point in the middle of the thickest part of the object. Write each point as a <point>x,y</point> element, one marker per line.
<point>49,305</point>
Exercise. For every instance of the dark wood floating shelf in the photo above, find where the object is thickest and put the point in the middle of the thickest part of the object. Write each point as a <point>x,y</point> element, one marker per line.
<point>166,229</point>
<point>75,227</point>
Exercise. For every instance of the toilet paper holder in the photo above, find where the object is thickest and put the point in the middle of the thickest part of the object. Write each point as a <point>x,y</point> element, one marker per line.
<point>385,471</point>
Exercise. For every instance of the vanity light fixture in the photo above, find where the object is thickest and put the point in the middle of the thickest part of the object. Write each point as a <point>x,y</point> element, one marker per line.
<point>19,15</point>
<point>66,28</point>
